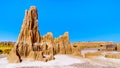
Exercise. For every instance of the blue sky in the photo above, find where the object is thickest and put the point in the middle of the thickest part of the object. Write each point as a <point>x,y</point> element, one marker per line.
<point>85,20</point>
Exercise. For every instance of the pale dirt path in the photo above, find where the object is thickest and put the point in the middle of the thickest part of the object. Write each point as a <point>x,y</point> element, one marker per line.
<point>63,61</point>
<point>105,62</point>
<point>3,55</point>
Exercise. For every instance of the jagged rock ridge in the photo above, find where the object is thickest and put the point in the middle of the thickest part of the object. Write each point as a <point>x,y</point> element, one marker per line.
<point>31,45</point>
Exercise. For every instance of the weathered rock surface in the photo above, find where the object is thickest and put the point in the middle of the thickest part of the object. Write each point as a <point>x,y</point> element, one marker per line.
<point>31,55</point>
<point>62,45</point>
<point>118,47</point>
<point>14,57</point>
<point>39,56</point>
<point>31,45</point>
<point>29,35</point>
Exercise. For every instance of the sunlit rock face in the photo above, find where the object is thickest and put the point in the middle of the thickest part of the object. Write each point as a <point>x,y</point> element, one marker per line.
<point>35,47</point>
<point>29,35</point>
<point>29,31</point>
<point>62,45</point>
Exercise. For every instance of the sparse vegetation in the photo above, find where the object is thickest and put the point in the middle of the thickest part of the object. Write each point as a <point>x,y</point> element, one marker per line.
<point>5,49</point>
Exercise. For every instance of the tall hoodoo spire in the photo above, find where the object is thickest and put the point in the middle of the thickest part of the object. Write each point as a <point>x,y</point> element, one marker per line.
<point>29,31</point>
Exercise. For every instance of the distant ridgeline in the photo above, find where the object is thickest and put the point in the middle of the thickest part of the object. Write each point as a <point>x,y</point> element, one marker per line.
<point>43,48</point>
<point>7,43</point>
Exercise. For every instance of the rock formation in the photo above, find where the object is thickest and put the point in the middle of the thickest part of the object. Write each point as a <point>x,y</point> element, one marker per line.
<point>29,35</point>
<point>118,47</point>
<point>62,44</point>
<point>35,47</point>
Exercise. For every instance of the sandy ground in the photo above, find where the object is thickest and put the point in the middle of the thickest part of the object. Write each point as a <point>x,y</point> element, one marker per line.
<point>60,60</point>
<point>64,61</point>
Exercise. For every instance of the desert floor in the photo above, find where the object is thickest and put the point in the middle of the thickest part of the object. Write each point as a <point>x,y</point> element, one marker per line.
<point>64,61</point>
